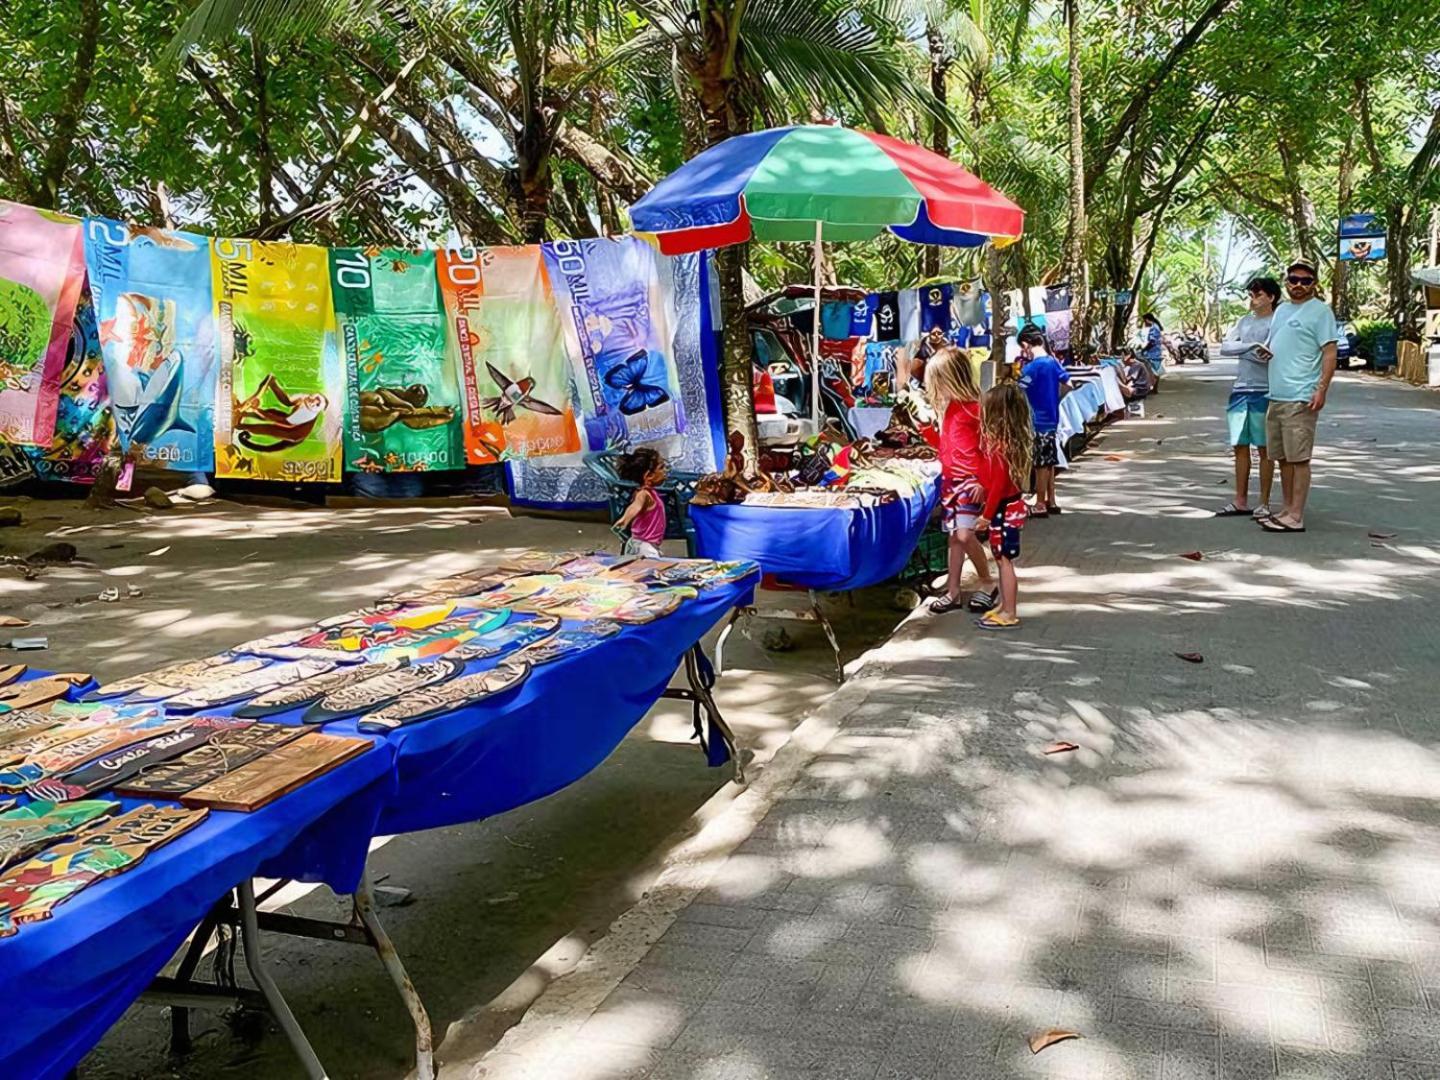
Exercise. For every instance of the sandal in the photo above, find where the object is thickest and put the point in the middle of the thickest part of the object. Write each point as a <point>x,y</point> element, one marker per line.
<point>1275,525</point>
<point>1263,512</point>
<point>944,606</point>
<point>1051,508</point>
<point>998,620</point>
<point>982,601</point>
<point>1231,510</point>
<point>1037,513</point>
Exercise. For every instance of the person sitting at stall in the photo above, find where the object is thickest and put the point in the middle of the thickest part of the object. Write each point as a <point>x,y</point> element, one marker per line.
<point>955,396</point>
<point>1006,449</point>
<point>645,516</point>
<point>1135,379</point>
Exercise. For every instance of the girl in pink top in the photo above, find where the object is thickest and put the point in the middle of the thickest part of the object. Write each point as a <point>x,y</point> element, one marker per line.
<point>645,516</point>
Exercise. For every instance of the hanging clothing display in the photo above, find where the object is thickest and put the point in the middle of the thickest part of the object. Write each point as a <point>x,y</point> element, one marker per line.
<point>880,359</point>
<point>862,316</point>
<point>887,316</point>
<point>42,268</point>
<point>619,334</point>
<point>1057,330</point>
<point>155,306</point>
<point>404,410</point>
<point>909,308</point>
<point>1057,298</point>
<point>84,422</point>
<point>935,313</point>
<point>835,320</point>
<point>969,309</point>
<point>282,383</point>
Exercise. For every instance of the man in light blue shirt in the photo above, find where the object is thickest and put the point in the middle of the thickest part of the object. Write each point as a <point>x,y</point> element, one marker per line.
<point>1302,352</point>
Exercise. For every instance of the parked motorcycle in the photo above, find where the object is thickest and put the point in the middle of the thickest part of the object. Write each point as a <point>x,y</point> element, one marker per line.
<point>1191,346</point>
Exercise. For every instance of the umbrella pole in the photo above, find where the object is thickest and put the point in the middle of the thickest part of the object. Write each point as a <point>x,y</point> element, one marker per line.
<point>815,334</point>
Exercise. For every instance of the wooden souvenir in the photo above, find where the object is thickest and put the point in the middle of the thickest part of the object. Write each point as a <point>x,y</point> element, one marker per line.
<point>76,750</point>
<point>537,562</point>
<point>10,672</point>
<point>28,829</point>
<point>284,698</point>
<point>174,687</point>
<point>181,675</point>
<point>33,742</point>
<point>702,573</point>
<point>31,890</point>
<point>248,685</point>
<point>445,637</point>
<point>438,589</point>
<point>638,571</point>
<point>515,590</point>
<point>23,723</point>
<point>109,769</point>
<point>508,638</point>
<point>27,695</point>
<point>223,754</point>
<point>361,697</point>
<point>589,598</point>
<point>652,605</point>
<point>596,564</point>
<point>446,697</point>
<point>585,636</point>
<point>277,773</point>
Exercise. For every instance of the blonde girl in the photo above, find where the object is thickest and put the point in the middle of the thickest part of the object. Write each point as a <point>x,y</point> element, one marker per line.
<point>955,397</point>
<point>1007,446</point>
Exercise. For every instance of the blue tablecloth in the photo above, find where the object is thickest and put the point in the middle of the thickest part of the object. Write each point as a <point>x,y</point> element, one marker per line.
<point>834,549</point>
<point>65,981</point>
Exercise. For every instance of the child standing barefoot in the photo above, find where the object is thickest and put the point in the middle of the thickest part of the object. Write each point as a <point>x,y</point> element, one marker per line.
<point>645,516</point>
<point>1006,449</point>
<point>950,385</point>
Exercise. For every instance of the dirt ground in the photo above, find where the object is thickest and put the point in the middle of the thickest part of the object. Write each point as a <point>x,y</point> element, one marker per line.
<point>495,908</point>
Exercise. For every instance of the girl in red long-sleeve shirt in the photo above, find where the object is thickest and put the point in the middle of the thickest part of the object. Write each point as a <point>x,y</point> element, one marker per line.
<point>1006,451</point>
<point>955,397</point>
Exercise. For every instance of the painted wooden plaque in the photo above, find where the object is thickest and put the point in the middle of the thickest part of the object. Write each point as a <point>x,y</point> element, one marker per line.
<point>537,562</point>
<point>516,590</point>
<point>444,638</point>
<point>277,773</point>
<point>304,691</point>
<point>74,752</point>
<point>109,769</point>
<point>446,697</point>
<point>361,697</point>
<point>10,672</point>
<point>652,605</point>
<point>23,723</point>
<point>173,687</point>
<point>248,685</point>
<point>514,635</point>
<point>597,564</point>
<point>31,890</point>
<point>585,636</point>
<point>181,675</point>
<point>36,692</point>
<point>223,754</point>
<point>27,829</point>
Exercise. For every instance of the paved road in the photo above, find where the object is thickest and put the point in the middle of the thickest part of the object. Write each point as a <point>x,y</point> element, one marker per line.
<point>1235,876</point>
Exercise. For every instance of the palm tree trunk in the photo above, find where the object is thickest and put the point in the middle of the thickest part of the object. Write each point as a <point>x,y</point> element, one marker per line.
<point>939,132</point>
<point>1075,257</point>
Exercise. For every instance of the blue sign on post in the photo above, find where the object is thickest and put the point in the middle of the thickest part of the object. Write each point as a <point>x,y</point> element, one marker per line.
<point>1362,238</point>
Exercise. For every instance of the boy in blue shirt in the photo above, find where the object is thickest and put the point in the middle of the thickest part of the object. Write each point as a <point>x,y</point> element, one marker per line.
<point>1045,381</point>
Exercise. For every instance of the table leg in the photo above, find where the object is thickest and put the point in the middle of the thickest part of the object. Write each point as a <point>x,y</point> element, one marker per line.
<point>829,634</point>
<point>735,616</point>
<point>250,936</point>
<point>706,700</point>
<point>194,952</point>
<point>424,1041</point>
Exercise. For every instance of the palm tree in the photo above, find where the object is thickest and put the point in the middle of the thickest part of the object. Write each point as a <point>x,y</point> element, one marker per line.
<point>1076,259</point>
<point>769,60</point>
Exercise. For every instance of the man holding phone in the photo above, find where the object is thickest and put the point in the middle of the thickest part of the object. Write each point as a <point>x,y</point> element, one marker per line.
<point>1302,356</point>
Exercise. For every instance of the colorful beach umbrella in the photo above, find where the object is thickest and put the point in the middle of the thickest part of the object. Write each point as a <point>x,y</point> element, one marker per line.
<point>814,182</point>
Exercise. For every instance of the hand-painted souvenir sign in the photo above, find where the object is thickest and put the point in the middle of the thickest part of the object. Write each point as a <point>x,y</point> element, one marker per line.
<point>42,269</point>
<point>405,408</point>
<point>443,638</point>
<point>282,385</point>
<point>514,635</point>
<point>438,589</point>
<point>596,564</point>
<point>277,773</point>
<point>222,755</point>
<point>372,693</point>
<point>24,724</point>
<point>10,672</point>
<point>537,562</point>
<point>446,697</point>
<point>27,695</point>
<point>109,769</point>
<point>352,633</point>
<point>703,572</point>
<point>27,829</point>
<point>91,743</point>
<point>183,676</point>
<point>31,890</point>
<point>248,685</point>
<point>516,590</point>
<point>566,642</point>
<point>652,605</point>
<point>172,688</point>
<point>303,692</point>
<point>156,317</point>
<point>588,598</point>
<point>504,334</point>
<point>619,331</point>
<point>637,571</point>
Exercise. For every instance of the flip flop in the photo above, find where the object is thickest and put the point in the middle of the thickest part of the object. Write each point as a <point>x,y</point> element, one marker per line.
<point>945,605</point>
<point>995,621</point>
<point>1275,525</point>
<point>1263,512</point>
<point>982,600</point>
<point>1231,510</point>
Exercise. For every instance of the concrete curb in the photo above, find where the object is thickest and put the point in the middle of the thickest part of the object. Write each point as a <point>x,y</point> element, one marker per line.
<point>714,832</point>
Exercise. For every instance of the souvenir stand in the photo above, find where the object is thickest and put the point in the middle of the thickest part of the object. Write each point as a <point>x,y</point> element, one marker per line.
<point>515,745</point>
<point>813,183</point>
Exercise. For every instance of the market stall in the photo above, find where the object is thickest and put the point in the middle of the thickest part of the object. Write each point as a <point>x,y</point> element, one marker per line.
<point>1096,394</point>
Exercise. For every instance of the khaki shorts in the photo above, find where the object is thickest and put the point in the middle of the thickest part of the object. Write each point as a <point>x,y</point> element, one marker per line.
<point>1290,431</point>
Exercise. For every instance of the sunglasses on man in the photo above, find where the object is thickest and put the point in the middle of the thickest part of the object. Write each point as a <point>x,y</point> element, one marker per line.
<point>1300,279</point>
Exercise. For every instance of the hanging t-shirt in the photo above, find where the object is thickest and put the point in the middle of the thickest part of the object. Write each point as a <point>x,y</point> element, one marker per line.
<point>835,321</point>
<point>910,315</point>
<point>1057,329</point>
<point>1057,298</point>
<point>879,360</point>
<point>887,316</point>
<point>1041,379</point>
<point>935,308</point>
<point>862,316</point>
<point>969,307</point>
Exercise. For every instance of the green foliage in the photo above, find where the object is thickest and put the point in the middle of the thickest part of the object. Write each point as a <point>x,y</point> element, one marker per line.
<point>1366,330</point>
